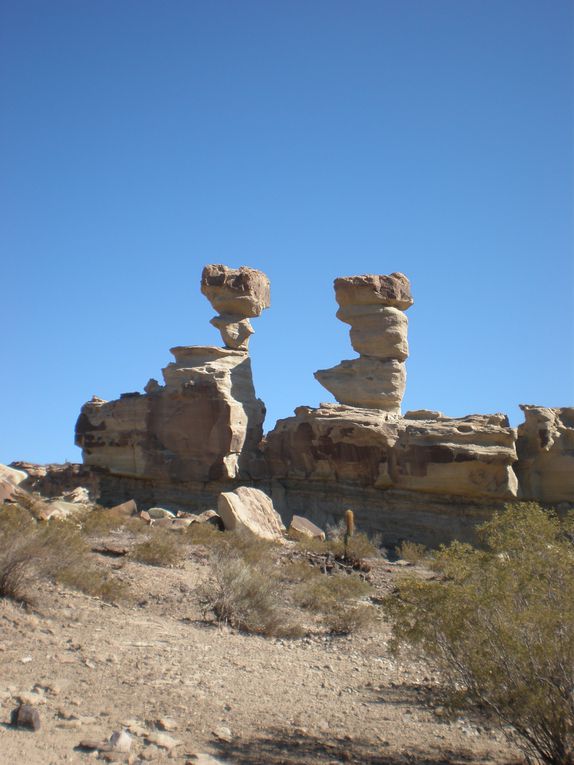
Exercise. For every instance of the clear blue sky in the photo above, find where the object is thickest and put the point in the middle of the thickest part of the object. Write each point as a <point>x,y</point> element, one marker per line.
<point>141,139</point>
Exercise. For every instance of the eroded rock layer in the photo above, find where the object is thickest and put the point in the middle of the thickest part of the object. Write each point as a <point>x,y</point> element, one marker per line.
<point>471,456</point>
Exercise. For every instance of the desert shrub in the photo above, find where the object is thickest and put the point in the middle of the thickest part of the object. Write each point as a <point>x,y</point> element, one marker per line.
<point>246,594</point>
<point>500,623</point>
<point>100,520</point>
<point>412,552</point>
<point>359,546</point>
<point>55,551</point>
<point>203,534</point>
<point>335,598</point>
<point>162,547</point>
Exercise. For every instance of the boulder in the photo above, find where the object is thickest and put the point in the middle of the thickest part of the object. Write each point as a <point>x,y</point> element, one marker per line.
<point>302,527</point>
<point>250,510</point>
<point>546,454</point>
<point>242,292</point>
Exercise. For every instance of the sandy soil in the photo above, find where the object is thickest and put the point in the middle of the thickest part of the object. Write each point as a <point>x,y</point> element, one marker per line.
<point>244,699</point>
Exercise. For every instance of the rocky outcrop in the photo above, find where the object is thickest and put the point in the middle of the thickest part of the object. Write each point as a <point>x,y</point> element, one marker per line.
<point>237,295</point>
<point>374,306</point>
<point>546,454</point>
<point>205,423</point>
<point>469,456</point>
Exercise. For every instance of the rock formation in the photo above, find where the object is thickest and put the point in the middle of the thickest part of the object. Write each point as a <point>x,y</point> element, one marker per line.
<point>205,423</point>
<point>374,306</point>
<point>546,454</point>
<point>237,295</point>
<point>469,457</point>
<point>423,476</point>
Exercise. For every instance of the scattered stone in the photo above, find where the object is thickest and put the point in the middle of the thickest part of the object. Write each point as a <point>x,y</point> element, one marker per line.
<point>157,513</point>
<point>26,716</point>
<point>166,723</point>
<point>250,510</point>
<point>135,727</point>
<point>121,741</point>
<point>163,740</point>
<point>31,699</point>
<point>128,508</point>
<point>223,733</point>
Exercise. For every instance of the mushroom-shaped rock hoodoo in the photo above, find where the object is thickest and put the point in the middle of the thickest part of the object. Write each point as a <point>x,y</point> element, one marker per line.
<point>237,295</point>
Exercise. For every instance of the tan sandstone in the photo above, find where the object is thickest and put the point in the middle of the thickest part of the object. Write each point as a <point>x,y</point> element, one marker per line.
<point>546,454</point>
<point>250,510</point>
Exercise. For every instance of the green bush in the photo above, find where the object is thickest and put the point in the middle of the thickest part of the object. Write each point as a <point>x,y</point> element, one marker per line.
<point>500,624</point>
<point>162,547</point>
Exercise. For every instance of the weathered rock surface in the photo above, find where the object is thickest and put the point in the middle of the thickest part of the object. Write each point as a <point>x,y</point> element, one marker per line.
<point>469,456</point>
<point>546,454</point>
<point>372,289</point>
<point>250,510</point>
<point>373,305</point>
<point>204,424</point>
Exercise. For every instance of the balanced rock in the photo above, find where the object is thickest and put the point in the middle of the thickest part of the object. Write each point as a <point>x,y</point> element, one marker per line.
<point>546,454</point>
<point>237,295</point>
<point>205,423</point>
<point>250,510</point>
<point>374,306</point>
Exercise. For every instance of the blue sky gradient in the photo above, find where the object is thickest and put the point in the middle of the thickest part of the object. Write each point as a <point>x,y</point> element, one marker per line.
<point>140,140</point>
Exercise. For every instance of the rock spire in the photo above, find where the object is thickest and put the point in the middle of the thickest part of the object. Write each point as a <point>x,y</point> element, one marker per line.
<point>374,306</point>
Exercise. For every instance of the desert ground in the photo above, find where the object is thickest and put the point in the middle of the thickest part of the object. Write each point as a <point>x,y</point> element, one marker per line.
<point>187,688</point>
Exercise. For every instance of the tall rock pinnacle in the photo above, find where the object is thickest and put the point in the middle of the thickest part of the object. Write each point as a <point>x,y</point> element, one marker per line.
<point>374,306</point>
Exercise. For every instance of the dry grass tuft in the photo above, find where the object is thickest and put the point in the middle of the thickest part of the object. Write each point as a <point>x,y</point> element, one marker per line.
<point>412,552</point>
<point>54,551</point>
<point>162,547</point>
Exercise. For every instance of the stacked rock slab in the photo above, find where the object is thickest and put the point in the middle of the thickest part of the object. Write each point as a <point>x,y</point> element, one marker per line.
<point>546,454</point>
<point>205,423</point>
<point>374,306</point>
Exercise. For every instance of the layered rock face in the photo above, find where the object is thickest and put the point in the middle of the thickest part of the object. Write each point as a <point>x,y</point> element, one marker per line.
<point>206,422</point>
<point>468,457</point>
<point>546,454</point>
<point>374,306</point>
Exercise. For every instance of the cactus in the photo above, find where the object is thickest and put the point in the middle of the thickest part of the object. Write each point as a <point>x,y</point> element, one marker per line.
<point>350,527</point>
